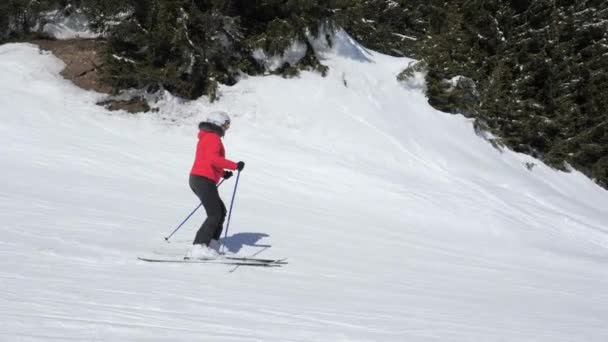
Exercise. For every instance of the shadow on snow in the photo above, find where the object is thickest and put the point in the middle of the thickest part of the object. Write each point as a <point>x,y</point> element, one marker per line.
<point>235,243</point>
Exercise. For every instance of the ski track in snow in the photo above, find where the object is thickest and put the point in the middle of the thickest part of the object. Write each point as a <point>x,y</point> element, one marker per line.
<point>399,222</point>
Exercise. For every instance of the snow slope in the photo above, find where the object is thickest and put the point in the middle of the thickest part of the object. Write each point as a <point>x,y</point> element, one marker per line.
<point>400,223</point>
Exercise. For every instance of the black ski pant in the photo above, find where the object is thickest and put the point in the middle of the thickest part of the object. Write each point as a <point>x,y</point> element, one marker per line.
<point>206,190</point>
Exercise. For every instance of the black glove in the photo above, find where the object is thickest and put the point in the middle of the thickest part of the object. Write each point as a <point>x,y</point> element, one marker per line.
<point>240,166</point>
<point>227,174</point>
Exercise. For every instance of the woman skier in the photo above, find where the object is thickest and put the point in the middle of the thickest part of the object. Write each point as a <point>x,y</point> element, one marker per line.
<point>209,167</point>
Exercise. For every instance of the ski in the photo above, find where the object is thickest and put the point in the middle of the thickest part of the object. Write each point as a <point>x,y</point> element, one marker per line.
<point>220,261</point>
<point>248,259</point>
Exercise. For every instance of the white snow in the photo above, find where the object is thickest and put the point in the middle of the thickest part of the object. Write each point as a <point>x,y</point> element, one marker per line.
<point>453,82</point>
<point>596,24</point>
<point>292,55</point>
<point>402,36</point>
<point>125,59</point>
<point>417,79</point>
<point>399,222</point>
<point>75,26</point>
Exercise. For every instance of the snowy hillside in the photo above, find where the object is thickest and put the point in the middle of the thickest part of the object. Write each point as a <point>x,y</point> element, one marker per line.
<point>400,223</point>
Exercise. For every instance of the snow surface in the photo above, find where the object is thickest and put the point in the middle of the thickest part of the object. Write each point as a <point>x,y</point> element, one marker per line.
<point>292,55</point>
<point>75,26</point>
<point>400,223</point>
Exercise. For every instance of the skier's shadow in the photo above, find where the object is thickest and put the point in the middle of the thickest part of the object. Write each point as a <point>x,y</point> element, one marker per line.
<point>235,243</point>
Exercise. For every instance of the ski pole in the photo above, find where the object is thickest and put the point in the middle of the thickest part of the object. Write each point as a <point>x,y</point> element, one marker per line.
<point>187,218</point>
<point>231,205</point>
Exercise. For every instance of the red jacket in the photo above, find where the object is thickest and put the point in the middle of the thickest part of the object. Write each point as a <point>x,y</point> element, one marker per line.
<point>210,160</point>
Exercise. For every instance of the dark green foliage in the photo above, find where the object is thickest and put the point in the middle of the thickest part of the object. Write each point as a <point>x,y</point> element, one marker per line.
<point>411,70</point>
<point>539,70</point>
<point>189,47</point>
<point>172,45</point>
<point>390,26</point>
<point>19,18</point>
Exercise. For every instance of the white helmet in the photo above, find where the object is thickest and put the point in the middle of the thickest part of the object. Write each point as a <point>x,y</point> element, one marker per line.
<point>219,118</point>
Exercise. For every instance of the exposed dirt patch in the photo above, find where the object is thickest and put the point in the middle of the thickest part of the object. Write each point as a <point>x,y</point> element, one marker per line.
<point>83,59</point>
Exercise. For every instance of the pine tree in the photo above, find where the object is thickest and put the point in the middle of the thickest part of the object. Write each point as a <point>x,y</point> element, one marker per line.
<point>20,17</point>
<point>538,67</point>
<point>189,47</point>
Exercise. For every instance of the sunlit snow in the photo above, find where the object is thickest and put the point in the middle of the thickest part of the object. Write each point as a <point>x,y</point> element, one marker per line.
<point>399,222</point>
